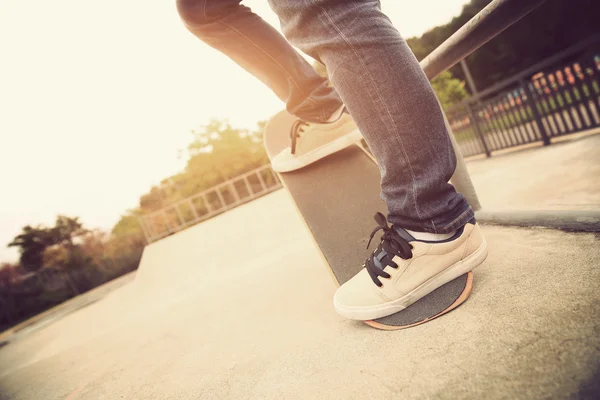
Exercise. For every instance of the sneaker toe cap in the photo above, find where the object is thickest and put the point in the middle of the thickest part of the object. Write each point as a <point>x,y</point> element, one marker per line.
<point>360,291</point>
<point>284,161</point>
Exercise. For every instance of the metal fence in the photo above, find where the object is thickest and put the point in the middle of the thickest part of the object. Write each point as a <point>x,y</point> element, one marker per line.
<point>548,100</point>
<point>209,203</point>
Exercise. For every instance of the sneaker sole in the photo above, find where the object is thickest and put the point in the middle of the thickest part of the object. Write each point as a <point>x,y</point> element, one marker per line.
<point>319,153</point>
<point>449,274</point>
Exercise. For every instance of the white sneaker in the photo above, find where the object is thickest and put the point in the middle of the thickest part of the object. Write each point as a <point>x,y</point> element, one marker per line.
<point>402,270</point>
<point>313,141</point>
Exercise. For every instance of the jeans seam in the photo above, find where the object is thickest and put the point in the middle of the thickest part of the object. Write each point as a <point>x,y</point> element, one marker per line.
<point>382,102</point>
<point>268,55</point>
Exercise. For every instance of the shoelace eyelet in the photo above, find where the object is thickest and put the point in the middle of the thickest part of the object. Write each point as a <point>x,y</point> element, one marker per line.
<point>392,245</point>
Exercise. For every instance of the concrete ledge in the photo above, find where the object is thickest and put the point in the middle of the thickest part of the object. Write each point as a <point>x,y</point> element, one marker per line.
<point>566,220</point>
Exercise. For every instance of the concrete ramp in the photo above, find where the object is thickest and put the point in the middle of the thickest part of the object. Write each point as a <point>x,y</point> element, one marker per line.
<point>240,307</point>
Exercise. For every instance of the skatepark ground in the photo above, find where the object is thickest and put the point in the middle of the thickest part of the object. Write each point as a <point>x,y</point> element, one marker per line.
<point>240,306</point>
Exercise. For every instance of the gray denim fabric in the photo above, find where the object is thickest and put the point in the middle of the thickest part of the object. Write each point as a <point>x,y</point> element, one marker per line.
<point>373,71</point>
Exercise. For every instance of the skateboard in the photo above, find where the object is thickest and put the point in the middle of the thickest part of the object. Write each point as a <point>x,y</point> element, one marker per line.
<point>337,197</point>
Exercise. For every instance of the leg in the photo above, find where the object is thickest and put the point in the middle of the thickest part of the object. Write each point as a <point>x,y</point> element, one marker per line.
<point>256,46</point>
<point>393,104</point>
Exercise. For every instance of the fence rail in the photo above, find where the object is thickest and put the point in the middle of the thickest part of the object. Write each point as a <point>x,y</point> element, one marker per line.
<point>209,203</point>
<point>554,100</point>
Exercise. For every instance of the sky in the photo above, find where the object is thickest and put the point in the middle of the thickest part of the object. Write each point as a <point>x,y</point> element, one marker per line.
<point>98,98</point>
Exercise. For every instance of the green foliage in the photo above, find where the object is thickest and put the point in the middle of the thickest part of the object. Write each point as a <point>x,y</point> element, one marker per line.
<point>66,229</point>
<point>449,90</point>
<point>128,224</point>
<point>218,152</point>
<point>32,242</point>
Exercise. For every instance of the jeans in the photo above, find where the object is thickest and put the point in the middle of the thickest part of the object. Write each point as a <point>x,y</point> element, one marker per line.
<point>374,73</point>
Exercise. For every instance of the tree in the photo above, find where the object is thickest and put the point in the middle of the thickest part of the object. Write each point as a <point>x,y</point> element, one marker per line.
<point>8,273</point>
<point>67,229</point>
<point>128,224</point>
<point>33,241</point>
<point>449,90</point>
<point>55,257</point>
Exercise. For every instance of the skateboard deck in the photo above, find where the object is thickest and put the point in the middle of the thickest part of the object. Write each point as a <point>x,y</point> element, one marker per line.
<point>337,197</point>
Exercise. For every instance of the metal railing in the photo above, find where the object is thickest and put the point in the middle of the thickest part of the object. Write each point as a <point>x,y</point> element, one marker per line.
<point>209,203</point>
<point>530,114</point>
<point>486,25</point>
<point>491,21</point>
<point>543,102</point>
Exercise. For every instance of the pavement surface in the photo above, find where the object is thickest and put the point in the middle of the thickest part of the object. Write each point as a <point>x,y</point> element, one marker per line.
<point>562,176</point>
<point>240,306</point>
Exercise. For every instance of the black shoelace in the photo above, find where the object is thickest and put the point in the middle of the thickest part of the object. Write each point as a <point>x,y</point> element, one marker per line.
<point>392,244</point>
<point>297,129</point>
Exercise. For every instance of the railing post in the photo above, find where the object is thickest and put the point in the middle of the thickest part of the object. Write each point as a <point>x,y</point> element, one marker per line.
<point>261,180</point>
<point>166,219</point>
<point>250,191</point>
<point>181,220</point>
<point>209,206</point>
<point>277,182</point>
<point>236,196</point>
<point>469,77</point>
<point>147,235</point>
<point>193,208</point>
<point>536,114</point>
<point>477,129</point>
<point>221,199</point>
